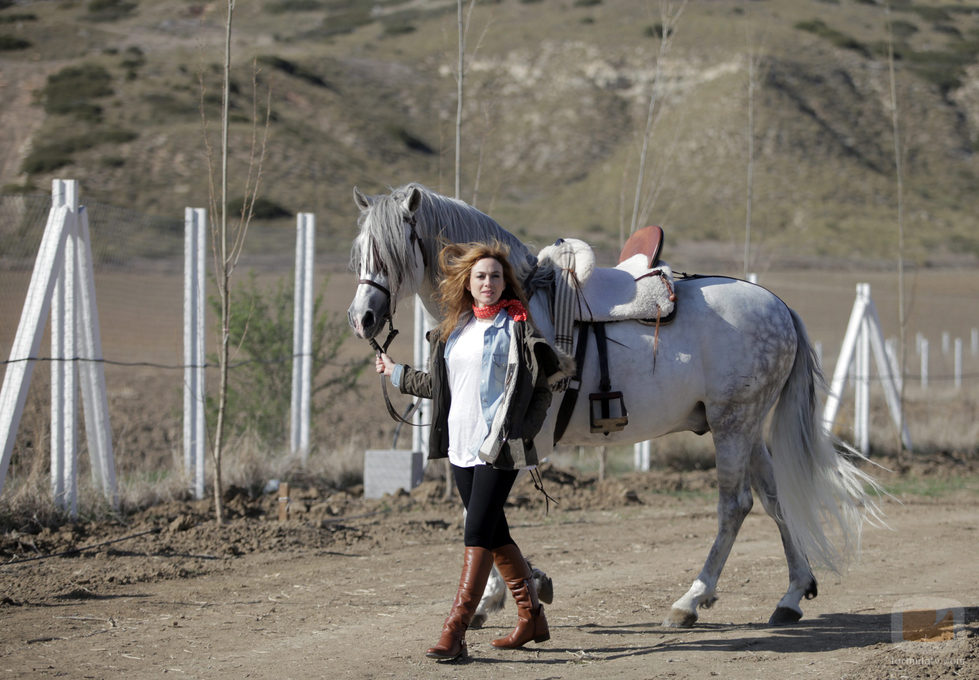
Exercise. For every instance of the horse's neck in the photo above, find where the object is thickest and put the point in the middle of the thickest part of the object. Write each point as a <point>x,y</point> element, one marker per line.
<point>427,294</point>
<point>540,312</point>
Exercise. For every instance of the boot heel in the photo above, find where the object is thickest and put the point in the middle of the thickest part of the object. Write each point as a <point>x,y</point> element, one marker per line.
<point>543,638</point>
<point>444,658</point>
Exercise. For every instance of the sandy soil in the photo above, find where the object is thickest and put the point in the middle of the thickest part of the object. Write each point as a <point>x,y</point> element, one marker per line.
<point>358,588</point>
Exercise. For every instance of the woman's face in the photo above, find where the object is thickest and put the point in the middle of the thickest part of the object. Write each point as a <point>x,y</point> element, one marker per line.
<point>486,282</point>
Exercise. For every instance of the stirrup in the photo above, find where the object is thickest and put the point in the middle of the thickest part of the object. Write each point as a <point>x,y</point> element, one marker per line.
<point>608,412</point>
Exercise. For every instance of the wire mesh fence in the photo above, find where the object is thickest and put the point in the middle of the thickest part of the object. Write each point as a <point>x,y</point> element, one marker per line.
<point>138,262</point>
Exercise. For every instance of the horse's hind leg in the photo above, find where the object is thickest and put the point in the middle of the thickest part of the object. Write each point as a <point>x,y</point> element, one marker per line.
<point>733,505</point>
<point>801,581</point>
<point>494,596</point>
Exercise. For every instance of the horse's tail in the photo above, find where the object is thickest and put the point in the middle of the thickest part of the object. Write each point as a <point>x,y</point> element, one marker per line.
<point>823,497</point>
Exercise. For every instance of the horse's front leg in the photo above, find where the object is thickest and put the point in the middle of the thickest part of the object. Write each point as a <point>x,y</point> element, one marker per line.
<point>733,505</point>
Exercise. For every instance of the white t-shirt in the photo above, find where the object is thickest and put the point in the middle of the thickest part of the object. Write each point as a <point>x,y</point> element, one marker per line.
<point>467,428</point>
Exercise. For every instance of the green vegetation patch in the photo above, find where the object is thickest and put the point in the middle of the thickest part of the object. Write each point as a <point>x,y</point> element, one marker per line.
<point>59,153</point>
<point>10,43</point>
<point>262,208</point>
<point>260,382</point>
<point>932,487</point>
<point>70,90</point>
<point>293,69</point>
<point>109,10</point>
<point>838,38</point>
<point>945,68</point>
<point>17,18</point>
<point>287,6</point>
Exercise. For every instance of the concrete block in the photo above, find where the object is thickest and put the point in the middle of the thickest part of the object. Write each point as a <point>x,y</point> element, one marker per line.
<point>387,470</point>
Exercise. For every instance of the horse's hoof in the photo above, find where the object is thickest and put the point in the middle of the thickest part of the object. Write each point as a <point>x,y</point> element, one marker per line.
<point>784,616</point>
<point>679,618</point>
<point>478,620</point>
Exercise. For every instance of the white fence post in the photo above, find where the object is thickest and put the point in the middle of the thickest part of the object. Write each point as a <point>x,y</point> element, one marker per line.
<point>863,334</point>
<point>64,442</point>
<point>844,361</point>
<point>923,349</point>
<point>92,371</point>
<point>975,341</point>
<point>957,359</point>
<point>302,337</point>
<point>861,382</point>
<point>641,455</point>
<point>423,324</point>
<point>195,437</point>
<point>61,285</point>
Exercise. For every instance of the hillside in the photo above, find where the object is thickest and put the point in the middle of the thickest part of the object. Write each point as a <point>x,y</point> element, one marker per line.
<point>364,93</point>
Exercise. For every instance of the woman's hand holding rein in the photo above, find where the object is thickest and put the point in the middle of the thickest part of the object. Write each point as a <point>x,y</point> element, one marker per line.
<point>383,364</point>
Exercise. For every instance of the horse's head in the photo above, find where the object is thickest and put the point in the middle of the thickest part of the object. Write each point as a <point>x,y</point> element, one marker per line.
<point>387,255</point>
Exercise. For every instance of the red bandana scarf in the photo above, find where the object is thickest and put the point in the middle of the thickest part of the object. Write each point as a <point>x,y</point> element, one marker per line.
<point>513,307</point>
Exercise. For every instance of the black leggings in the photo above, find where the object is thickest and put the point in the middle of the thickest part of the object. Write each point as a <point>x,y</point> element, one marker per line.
<point>484,490</point>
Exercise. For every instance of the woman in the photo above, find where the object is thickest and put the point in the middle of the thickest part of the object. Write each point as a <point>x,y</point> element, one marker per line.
<point>488,381</point>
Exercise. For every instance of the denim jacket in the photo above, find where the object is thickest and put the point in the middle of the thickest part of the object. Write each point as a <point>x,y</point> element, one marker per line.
<point>493,365</point>
<point>517,378</point>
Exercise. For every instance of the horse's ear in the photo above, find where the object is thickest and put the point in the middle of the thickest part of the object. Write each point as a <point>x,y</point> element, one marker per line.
<point>361,200</point>
<point>413,200</point>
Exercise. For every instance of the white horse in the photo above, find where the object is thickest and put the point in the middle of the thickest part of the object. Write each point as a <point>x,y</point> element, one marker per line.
<point>733,353</point>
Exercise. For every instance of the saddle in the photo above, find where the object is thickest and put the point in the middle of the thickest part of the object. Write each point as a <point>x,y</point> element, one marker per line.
<point>640,288</point>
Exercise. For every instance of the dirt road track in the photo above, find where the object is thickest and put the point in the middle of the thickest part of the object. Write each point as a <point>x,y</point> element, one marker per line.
<point>366,600</point>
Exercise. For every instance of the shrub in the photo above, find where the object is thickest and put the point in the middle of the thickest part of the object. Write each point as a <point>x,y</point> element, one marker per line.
<point>260,381</point>
<point>9,43</point>
<point>284,6</point>
<point>412,142</point>
<point>934,14</point>
<point>57,154</point>
<point>69,90</point>
<point>17,18</point>
<point>45,159</point>
<point>262,209</point>
<point>903,29</point>
<point>109,10</point>
<point>293,69</point>
<point>837,38</point>
<point>398,28</point>
<point>655,31</point>
<point>344,22</point>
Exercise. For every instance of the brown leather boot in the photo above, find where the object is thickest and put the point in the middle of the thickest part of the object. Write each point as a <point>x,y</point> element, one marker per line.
<point>531,622</point>
<point>476,566</point>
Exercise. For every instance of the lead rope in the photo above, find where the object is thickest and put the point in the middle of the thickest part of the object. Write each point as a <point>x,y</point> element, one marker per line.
<point>382,349</point>
<point>539,485</point>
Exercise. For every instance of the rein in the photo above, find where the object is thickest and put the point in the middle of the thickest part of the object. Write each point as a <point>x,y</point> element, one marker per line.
<point>382,349</point>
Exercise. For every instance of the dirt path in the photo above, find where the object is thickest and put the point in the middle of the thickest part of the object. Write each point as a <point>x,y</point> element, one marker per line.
<point>364,597</point>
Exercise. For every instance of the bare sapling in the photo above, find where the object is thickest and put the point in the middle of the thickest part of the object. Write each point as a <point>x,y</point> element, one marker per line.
<point>899,176</point>
<point>642,204</point>
<point>228,239</point>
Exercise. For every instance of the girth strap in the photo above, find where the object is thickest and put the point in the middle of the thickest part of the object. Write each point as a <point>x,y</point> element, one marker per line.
<point>571,394</point>
<point>602,345</point>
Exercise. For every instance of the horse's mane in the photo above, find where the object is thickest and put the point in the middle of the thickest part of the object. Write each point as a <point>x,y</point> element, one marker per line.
<point>440,220</point>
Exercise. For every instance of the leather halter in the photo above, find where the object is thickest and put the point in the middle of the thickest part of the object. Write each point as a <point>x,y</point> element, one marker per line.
<point>381,348</point>
<point>415,241</point>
